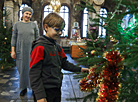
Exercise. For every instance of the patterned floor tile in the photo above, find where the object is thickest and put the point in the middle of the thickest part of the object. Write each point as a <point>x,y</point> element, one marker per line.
<point>7,76</point>
<point>3,81</point>
<point>1,74</point>
<point>9,86</point>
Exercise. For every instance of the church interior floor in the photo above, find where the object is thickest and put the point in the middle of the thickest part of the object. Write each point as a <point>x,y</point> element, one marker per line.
<point>9,87</point>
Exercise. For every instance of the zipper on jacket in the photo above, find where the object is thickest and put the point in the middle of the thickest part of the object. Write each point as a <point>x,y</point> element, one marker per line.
<point>57,54</point>
<point>55,48</point>
<point>58,66</point>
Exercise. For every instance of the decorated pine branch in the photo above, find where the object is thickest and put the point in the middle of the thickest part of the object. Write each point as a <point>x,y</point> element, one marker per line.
<point>5,44</point>
<point>106,80</point>
<point>112,60</point>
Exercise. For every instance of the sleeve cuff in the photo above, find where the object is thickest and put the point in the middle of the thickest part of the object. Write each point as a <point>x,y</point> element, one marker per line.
<point>40,95</point>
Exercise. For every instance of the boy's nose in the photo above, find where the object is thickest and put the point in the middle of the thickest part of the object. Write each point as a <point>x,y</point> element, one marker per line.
<point>60,33</point>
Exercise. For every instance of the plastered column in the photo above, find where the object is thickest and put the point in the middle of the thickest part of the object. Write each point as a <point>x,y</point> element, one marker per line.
<point>9,5</point>
<point>15,13</point>
<point>17,3</point>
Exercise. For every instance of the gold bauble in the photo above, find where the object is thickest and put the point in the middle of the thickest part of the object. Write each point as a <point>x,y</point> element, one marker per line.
<point>93,52</point>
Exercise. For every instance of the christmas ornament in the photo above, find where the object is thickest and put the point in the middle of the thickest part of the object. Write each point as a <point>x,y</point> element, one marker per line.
<point>5,38</point>
<point>93,52</point>
<point>113,40</point>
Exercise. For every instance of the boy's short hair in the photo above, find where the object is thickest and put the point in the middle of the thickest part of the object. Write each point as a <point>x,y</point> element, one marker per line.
<point>54,20</point>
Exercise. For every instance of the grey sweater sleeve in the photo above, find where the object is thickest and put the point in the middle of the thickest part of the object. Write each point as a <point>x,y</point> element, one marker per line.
<point>36,32</point>
<point>14,35</point>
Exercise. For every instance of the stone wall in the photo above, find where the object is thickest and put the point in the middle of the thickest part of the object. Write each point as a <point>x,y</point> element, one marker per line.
<point>38,6</point>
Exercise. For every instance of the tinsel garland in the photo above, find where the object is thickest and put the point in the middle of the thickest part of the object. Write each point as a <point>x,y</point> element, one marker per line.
<point>87,84</point>
<point>107,79</point>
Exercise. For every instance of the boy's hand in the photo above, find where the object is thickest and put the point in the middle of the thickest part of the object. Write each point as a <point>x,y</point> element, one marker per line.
<point>85,70</point>
<point>42,100</point>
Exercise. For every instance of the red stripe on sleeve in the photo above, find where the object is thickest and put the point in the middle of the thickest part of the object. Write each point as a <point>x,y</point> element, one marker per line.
<point>36,55</point>
<point>63,53</point>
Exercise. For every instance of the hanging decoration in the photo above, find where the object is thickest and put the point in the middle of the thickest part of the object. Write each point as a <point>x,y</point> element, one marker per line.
<point>107,80</point>
<point>87,84</point>
<point>56,5</point>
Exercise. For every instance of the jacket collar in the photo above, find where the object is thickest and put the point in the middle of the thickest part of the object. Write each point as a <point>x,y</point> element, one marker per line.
<point>51,40</point>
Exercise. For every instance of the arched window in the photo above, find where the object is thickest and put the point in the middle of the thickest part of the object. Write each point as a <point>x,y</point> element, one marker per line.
<point>64,13</point>
<point>85,23</point>
<point>47,10</point>
<point>102,30</point>
<point>20,10</point>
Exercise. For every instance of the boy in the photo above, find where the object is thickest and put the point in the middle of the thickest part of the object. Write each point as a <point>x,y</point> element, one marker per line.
<point>47,60</point>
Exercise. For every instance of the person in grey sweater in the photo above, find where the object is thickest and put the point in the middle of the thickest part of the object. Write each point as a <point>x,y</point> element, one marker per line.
<point>24,33</point>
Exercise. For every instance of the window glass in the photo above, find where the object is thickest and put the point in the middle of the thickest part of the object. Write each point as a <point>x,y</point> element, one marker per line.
<point>85,23</point>
<point>102,30</point>
<point>128,21</point>
<point>4,16</point>
<point>64,13</point>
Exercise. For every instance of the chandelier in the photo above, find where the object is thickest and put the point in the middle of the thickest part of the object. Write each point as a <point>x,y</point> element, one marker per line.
<point>55,4</point>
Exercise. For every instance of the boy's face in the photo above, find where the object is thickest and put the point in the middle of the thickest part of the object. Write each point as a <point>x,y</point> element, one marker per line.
<point>54,32</point>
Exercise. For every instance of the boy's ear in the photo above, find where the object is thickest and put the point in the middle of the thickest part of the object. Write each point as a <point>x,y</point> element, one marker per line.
<point>45,27</point>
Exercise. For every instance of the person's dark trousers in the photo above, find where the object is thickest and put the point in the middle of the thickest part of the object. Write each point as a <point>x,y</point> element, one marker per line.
<point>53,95</point>
<point>34,97</point>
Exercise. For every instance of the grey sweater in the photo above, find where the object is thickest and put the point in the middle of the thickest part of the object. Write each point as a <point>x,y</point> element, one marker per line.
<point>22,37</point>
<point>25,31</point>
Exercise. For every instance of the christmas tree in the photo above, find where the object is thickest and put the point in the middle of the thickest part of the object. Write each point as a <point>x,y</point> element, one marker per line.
<point>113,74</point>
<point>5,43</point>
